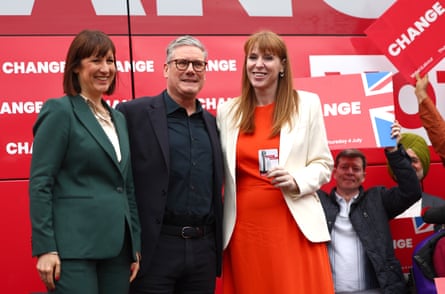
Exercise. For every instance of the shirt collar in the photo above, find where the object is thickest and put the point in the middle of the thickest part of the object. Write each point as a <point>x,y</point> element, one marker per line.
<point>339,198</point>
<point>171,106</point>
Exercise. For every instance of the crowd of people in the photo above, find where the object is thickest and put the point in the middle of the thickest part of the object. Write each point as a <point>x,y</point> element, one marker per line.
<point>160,196</point>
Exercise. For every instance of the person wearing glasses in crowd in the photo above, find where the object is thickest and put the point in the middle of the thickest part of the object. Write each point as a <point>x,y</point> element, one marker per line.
<point>276,156</point>
<point>178,171</point>
<point>361,249</point>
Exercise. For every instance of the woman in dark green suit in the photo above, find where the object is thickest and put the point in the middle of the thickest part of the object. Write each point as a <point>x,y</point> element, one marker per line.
<point>85,225</point>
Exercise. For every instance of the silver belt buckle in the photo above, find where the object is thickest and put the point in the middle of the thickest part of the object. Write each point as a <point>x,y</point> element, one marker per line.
<point>183,231</point>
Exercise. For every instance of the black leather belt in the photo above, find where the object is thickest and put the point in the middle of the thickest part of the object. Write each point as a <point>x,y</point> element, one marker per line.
<point>187,232</point>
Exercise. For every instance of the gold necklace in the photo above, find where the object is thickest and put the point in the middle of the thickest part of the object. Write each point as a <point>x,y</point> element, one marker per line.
<point>103,115</point>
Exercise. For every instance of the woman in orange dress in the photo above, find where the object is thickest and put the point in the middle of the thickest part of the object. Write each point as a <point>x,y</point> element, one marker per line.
<point>276,156</point>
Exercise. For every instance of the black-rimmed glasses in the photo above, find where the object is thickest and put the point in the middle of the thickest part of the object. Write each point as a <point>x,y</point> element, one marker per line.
<point>183,64</point>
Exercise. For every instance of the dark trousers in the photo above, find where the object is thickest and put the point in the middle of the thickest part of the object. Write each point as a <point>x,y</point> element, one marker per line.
<point>179,266</point>
<point>96,276</point>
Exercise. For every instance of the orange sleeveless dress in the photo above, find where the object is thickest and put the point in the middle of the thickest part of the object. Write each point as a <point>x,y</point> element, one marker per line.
<point>267,253</point>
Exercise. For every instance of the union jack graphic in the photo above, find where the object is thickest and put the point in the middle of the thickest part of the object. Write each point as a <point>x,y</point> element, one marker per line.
<point>375,83</point>
<point>420,226</point>
<point>382,119</point>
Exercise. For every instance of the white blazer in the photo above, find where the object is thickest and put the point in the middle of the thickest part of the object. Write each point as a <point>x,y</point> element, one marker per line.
<point>303,152</point>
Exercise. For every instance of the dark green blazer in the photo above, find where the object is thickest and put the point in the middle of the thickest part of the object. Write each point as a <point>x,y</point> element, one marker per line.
<point>81,197</point>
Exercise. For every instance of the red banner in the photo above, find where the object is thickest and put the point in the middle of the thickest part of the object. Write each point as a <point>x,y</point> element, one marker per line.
<point>364,100</point>
<point>407,233</point>
<point>197,17</point>
<point>408,33</point>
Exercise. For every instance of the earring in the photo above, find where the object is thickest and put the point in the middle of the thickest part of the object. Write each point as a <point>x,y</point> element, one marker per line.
<point>281,74</point>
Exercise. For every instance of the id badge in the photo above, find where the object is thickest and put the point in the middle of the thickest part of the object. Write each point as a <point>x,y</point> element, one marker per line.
<point>267,159</point>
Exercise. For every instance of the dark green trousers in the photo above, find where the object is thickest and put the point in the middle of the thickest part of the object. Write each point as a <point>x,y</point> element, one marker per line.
<point>103,276</point>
